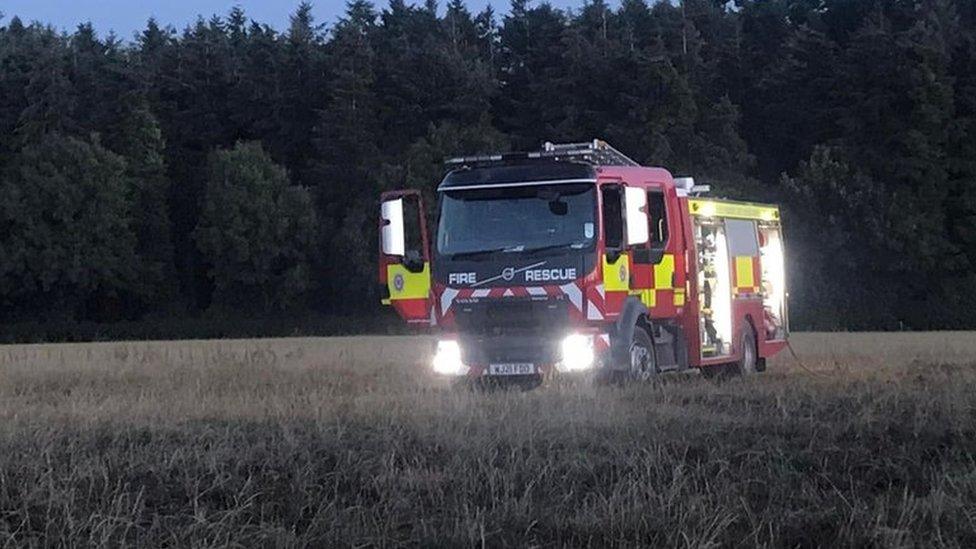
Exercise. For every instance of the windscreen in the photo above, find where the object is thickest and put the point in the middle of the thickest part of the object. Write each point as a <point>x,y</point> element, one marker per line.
<point>515,219</point>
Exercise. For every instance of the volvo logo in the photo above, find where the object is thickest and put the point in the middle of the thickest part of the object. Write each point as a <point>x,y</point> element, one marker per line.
<point>531,273</point>
<point>508,273</point>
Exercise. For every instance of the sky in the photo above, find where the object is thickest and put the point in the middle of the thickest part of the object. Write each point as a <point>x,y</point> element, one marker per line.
<point>127,17</point>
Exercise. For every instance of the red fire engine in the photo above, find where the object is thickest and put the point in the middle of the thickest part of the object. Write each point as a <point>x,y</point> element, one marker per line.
<point>576,259</point>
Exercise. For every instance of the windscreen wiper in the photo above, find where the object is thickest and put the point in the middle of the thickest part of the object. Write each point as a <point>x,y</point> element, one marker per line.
<point>512,249</point>
<point>479,253</point>
<point>550,247</point>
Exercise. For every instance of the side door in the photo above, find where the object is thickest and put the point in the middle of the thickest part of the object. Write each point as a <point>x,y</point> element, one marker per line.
<point>714,287</point>
<point>625,227</point>
<point>658,270</point>
<point>404,256</point>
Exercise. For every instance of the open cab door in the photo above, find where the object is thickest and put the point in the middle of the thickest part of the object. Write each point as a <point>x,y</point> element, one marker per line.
<point>404,266</point>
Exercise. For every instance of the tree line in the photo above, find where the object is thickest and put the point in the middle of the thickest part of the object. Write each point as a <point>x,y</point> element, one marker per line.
<point>232,169</point>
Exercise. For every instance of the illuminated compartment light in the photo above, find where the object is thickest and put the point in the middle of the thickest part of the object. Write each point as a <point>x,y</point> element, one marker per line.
<point>722,298</point>
<point>774,276</point>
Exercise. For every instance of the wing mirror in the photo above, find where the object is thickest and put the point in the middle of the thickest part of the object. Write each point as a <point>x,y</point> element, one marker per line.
<point>392,234</point>
<point>635,200</point>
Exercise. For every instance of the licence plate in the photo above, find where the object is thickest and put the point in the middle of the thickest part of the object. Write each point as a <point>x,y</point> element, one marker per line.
<point>511,369</point>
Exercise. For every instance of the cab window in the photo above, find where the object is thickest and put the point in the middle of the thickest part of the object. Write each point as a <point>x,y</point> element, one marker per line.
<point>742,237</point>
<point>613,217</point>
<point>658,218</point>
<point>657,215</point>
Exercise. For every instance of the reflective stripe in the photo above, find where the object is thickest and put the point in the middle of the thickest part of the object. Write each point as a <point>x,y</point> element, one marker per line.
<point>575,295</point>
<point>447,298</point>
<point>592,312</point>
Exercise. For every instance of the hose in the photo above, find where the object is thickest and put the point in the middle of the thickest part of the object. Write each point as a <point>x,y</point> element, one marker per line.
<point>800,362</point>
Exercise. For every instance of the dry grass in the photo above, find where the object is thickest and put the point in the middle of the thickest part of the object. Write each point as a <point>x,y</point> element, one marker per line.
<point>346,442</point>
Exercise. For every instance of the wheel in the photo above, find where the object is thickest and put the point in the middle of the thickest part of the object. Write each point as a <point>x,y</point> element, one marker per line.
<point>749,363</point>
<point>642,366</point>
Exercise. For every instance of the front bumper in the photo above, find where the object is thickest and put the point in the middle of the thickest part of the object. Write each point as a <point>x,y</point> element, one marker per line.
<point>472,355</point>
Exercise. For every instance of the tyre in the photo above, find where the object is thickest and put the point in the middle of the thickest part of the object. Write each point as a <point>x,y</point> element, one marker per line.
<point>749,363</point>
<point>642,364</point>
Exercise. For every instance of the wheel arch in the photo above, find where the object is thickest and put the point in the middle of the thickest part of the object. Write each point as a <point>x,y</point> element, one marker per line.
<point>631,316</point>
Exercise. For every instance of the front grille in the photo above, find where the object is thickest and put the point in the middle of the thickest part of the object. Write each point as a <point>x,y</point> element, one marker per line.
<point>511,330</point>
<point>511,316</point>
<point>537,349</point>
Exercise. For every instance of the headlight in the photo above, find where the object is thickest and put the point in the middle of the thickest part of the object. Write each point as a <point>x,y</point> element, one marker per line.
<point>577,352</point>
<point>447,359</point>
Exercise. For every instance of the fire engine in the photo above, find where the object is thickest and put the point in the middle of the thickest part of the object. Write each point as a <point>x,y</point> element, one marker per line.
<point>575,259</point>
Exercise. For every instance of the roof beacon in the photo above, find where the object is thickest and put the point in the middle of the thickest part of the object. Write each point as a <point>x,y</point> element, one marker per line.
<point>685,186</point>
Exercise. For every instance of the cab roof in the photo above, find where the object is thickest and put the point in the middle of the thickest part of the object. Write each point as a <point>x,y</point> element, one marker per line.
<point>517,175</point>
<point>554,163</point>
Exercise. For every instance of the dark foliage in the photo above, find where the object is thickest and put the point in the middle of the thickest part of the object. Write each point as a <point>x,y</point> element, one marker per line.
<point>127,194</point>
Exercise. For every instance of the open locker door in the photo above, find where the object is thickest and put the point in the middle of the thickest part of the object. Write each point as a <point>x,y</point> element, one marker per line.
<point>405,255</point>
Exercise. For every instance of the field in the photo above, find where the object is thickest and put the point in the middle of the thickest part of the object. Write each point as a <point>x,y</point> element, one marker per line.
<point>347,442</point>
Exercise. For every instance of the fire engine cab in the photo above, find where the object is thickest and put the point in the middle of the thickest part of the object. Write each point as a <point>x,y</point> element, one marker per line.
<point>576,259</point>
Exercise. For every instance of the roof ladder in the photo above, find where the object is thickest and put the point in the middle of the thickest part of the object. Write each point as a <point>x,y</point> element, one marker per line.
<point>596,152</point>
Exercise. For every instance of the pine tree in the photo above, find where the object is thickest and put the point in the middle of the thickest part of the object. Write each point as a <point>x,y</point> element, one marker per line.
<point>99,81</point>
<point>897,105</point>
<point>257,92</point>
<point>15,59</point>
<point>302,92</point>
<point>346,155</point>
<point>142,146</point>
<point>194,109</point>
<point>802,86</point>
<point>49,98</point>
<point>531,106</point>
<point>487,37</point>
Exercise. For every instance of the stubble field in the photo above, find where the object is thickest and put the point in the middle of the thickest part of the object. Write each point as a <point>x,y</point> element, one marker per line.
<point>347,442</point>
